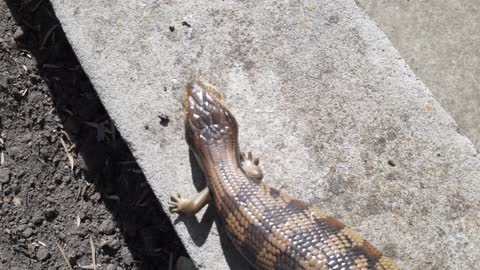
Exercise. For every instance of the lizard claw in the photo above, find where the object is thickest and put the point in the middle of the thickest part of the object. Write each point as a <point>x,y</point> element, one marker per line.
<point>250,166</point>
<point>173,204</point>
<point>178,203</point>
<point>248,158</point>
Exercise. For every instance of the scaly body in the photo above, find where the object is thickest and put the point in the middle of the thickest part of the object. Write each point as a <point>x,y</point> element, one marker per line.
<point>270,228</point>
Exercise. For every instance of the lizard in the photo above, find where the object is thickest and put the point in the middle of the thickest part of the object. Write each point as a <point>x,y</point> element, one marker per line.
<point>270,228</point>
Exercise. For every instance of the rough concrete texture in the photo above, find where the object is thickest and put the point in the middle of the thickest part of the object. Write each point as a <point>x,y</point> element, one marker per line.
<point>439,40</point>
<point>333,111</point>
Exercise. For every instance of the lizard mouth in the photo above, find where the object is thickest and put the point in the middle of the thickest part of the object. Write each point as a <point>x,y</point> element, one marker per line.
<point>195,87</point>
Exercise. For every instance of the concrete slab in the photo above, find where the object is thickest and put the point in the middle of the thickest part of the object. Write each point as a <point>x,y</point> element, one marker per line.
<point>333,111</point>
<point>439,40</point>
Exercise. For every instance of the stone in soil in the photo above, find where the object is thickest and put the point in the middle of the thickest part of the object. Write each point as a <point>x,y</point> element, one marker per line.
<point>4,176</point>
<point>110,243</point>
<point>107,227</point>
<point>27,232</point>
<point>127,256</point>
<point>50,213</point>
<point>95,197</point>
<point>42,254</point>
<point>19,33</point>
<point>81,231</point>
<point>38,219</point>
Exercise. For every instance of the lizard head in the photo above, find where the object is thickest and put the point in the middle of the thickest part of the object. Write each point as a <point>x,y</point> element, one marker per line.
<point>207,120</point>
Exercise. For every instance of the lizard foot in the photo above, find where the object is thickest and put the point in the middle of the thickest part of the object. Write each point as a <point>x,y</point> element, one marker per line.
<point>179,204</point>
<point>250,166</point>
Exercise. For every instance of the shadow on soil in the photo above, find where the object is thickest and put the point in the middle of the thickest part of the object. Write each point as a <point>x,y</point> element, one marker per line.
<point>104,159</point>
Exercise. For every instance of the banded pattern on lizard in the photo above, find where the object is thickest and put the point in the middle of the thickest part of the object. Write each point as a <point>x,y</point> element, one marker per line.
<point>270,228</point>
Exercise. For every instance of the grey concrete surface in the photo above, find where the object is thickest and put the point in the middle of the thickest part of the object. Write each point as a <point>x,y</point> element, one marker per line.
<point>440,41</point>
<point>335,114</point>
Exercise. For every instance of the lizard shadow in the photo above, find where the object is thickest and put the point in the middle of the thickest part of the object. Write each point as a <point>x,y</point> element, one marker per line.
<point>199,230</point>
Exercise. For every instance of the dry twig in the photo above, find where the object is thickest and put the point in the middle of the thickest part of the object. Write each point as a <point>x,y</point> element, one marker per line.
<point>92,246</point>
<point>69,155</point>
<point>67,263</point>
<point>47,35</point>
<point>2,155</point>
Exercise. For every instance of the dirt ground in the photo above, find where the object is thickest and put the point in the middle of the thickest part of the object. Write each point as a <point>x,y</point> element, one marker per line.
<point>67,179</point>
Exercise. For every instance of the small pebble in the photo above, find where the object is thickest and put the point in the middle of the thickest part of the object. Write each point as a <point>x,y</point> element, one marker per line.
<point>66,179</point>
<point>111,267</point>
<point>19,33</point>
<point>3,85</point>
<point>126,256</point>
<point>21,227</point>
<point>42,254</point>
<point>38,219</point>
<point>57,178</point>
<point>4,176</point>
<point>50,213</point>
<point>95,197</point>
<point>113,244</point>
<point>81,231</point>
<point>27,232</point>
<point>107,227</point>
<point>16,188</point>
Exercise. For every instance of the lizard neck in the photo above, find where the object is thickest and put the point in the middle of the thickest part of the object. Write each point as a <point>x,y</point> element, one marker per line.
<point>223,170</point>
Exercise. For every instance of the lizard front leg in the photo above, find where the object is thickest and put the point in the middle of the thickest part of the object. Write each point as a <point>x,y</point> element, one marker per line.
<point>179,204</point>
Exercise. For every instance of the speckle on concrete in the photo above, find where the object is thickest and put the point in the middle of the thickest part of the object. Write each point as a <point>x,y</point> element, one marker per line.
<point>321,97</point>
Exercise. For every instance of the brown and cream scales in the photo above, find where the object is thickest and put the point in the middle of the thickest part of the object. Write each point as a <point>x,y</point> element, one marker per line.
<point>269,227</point>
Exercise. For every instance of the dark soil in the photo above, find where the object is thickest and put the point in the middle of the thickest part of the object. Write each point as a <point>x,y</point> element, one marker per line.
<point>51,119</point>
